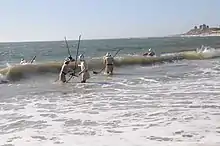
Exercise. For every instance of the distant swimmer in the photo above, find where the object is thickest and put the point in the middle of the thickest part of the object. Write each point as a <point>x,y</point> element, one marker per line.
<point>84,69</point>
<point>64,71</point>
<point>108,61</point>
<point>149,53</point>
<point>23,61</point>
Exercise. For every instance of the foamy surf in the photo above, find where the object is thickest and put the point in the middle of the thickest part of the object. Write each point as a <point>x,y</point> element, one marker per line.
<point>8,65</point>
<point>128,110</point>
<point>3,79</point>
<point>193,55</point>
<point>210,53</point>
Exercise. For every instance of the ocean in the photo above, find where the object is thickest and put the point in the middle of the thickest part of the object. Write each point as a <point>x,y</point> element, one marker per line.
<point>168,100</point>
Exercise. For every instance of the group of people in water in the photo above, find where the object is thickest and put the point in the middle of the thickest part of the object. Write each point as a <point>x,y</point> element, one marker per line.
<point>108,61</point>
<point>23,61</point>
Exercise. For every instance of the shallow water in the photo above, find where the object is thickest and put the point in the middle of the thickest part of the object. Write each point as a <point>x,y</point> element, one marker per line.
<point>160,105</point>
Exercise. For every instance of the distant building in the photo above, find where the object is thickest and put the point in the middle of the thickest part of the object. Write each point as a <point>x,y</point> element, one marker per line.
<point>204,29</point>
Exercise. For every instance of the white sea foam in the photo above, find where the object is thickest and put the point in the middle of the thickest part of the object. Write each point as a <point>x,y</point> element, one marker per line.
<point>3,79</point>
<point>151,106</point>
<point>208,52</point>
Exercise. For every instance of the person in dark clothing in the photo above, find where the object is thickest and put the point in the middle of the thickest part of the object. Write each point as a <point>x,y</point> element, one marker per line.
<point>71,58</point>
<point>149,53</point>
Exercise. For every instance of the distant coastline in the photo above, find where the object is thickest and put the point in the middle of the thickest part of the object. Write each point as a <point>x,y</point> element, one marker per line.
<point>202,31</point>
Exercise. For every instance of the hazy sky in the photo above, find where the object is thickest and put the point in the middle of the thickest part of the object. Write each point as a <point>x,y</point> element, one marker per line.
<point>27,20</point>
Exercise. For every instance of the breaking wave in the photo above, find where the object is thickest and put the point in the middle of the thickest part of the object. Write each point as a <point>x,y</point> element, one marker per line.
<point>18,72</point>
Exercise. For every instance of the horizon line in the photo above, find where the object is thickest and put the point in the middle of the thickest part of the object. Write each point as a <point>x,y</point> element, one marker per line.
<point>33,41</point>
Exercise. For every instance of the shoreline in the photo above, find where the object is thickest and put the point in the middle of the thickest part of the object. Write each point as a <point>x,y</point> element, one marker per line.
<point>201,35</point>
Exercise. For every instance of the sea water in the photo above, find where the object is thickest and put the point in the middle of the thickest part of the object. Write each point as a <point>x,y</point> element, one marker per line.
<point>161,101</point>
